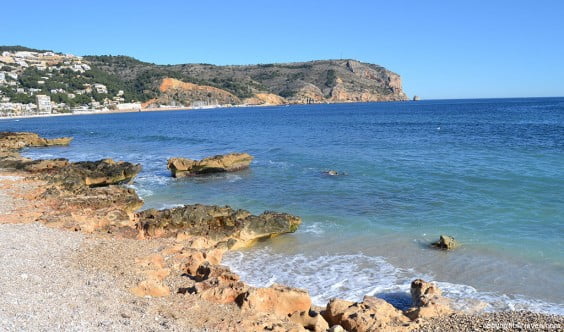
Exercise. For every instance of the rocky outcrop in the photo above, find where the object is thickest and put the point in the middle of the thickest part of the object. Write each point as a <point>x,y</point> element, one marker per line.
<point>101,209</point>
<point>278,299</point>
<point>310,320</point>
<point>174,90</point>
<point>231,162</point>
<point>265,99</point>
<point>15,140</point>
<point>99,173</point>
<point>445,243</point>
<point>427,301</point>
<point>374,314</point>
<point>307,94</point>
<point>236,227</point>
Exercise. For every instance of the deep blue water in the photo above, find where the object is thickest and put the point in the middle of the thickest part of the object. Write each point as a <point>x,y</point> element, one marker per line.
<point>489,172</point>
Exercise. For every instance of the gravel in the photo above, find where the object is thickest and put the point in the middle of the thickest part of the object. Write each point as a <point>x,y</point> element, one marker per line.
<point>497,321</point>
<point>42,290</point>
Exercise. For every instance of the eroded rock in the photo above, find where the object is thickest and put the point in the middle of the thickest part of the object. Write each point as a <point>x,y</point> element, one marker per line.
<point>278,299</point>
<point>372,314</point>
<point>427,301</point>
<point>310,320</point>
<point>445,243</point>
<point>99,173</point>
<point>217,223</point>
<point>18,140</point>
<point>231,162</point>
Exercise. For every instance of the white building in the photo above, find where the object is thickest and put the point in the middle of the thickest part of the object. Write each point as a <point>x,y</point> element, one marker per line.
<point>43,104</point>
<point>128,107</point>
<point>100,88</point>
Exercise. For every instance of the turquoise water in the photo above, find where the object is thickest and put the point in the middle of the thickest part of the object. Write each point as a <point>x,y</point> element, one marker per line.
<point>489,172</point>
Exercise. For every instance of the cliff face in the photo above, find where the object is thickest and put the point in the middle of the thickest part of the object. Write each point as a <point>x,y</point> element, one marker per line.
<point>193,94</point>
<point>332,81</point>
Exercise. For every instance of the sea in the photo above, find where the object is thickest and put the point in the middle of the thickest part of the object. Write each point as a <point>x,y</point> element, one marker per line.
<point>489,172</point>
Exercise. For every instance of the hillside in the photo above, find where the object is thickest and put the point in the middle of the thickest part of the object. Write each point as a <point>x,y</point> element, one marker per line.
<point>301,82</point>
<point>67,82</point>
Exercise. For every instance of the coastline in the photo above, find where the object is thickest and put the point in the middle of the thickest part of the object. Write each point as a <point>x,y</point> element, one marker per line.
<point>30,207</point>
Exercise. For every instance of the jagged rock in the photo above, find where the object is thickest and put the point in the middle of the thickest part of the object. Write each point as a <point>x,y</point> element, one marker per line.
<point>427,301</point>
<point>18,140</point>
<point>310,320</point>
<point>216,283</point>
<point>278,299</point>
<point>104,209</point>
<point>41,165</point>
<point>335,310</point>
<point>216,223</point>
<point>445,242</point>
<point>372,314</point>
<point>94,174</point>
<point>231,162</point>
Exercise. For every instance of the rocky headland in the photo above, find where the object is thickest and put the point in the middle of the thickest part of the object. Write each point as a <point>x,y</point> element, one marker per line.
<point>170,259</point>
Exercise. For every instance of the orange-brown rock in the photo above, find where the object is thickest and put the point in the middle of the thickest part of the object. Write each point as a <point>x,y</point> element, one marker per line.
<point>278,299</point>
<point>231,162</point>
<point>427,301</point>
<point>310,320</point>
<point>16,140</point>
<point>372,314</point>
<point>150,288</point>
<point>265,99</point>
<point>335,310</point>
<point>104,209</point>
<point>190,93</point>
<point>308,94</point>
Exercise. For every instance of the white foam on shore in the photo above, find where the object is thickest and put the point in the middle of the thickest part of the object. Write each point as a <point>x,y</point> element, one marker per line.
<point>352,276</point>
<point>233,178</point>
<point>170,206</point>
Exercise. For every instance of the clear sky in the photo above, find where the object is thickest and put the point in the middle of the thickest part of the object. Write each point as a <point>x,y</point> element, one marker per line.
<point>442,49</point>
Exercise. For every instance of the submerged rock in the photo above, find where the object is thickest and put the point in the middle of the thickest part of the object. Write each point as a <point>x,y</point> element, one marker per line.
<point>231,162</point>
<point>333,172</point>
<point>218,223</point>
<point>15,140</point>
<point>445,242</point>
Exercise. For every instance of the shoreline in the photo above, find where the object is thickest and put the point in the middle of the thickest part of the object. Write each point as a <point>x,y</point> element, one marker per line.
<point>164,277</point>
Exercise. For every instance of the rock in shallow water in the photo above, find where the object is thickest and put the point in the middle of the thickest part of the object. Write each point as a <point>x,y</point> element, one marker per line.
<point>231,162</point>
<point>15,140</point>
<point>445,242</point>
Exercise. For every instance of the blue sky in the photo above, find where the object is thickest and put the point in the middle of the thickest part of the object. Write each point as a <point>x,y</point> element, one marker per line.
<point>442,49</point>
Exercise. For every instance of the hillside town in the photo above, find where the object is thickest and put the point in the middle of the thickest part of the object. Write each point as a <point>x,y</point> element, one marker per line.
<point>42,83</point>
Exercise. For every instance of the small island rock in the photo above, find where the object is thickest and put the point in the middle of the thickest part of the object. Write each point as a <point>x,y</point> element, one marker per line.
<point>231,162</point>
